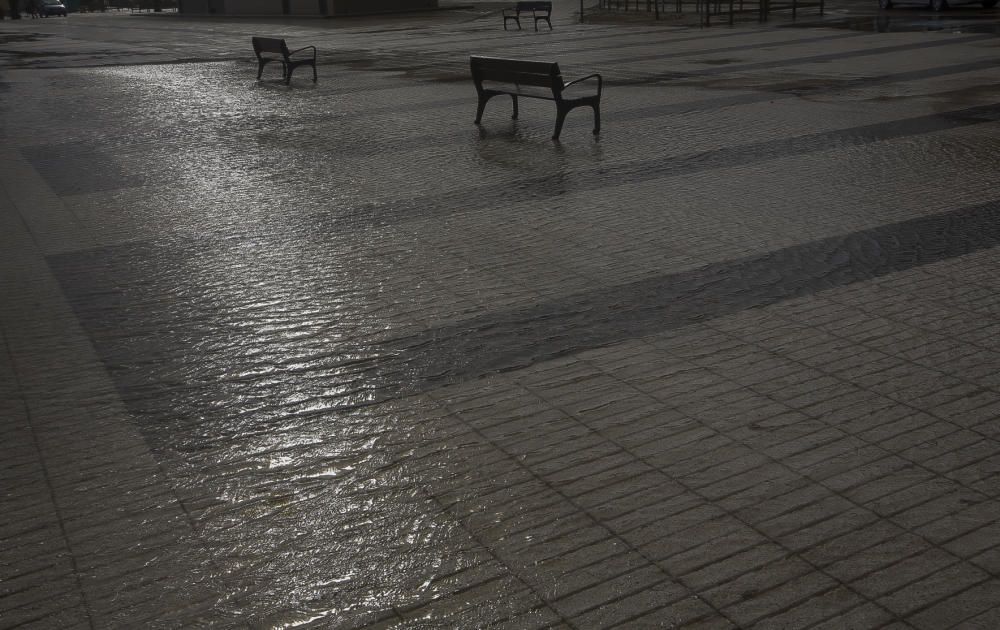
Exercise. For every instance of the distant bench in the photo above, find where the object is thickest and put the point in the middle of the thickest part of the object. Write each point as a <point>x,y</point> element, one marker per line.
<point>533,79</point>
<point>267,47</point>
<point>538,10</point>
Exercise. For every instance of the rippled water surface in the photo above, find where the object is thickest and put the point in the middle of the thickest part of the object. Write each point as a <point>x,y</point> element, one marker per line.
<point>288,286</point>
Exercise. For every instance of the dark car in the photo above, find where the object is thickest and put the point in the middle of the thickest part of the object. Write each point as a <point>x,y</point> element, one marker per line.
<point>53,7</point>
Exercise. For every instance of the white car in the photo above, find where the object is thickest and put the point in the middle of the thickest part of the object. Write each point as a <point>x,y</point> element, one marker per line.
<point>53,7</point>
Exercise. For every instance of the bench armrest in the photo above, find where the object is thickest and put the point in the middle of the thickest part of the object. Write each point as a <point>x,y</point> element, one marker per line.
<point>303,48</point>
<point>600,82</point>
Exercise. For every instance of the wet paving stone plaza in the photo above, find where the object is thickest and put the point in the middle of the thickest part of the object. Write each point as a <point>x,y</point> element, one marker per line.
<point>331,356</point>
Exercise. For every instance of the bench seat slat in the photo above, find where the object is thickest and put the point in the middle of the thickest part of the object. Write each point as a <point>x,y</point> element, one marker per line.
<point>533,6</point>
<point>519,90</point>
<point>540,80</point>
<point>269,45</point>
<point>516,65</point>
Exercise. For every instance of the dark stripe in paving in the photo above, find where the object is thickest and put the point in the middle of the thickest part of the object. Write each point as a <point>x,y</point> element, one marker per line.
<point>761,94</point>
<point>417,41</point>
<point>794,89</point>
<point>798,61</point>
<point>716,51</point>
<point>603,177</point>
<point>684,53</point>
<point>55,161</point>
<point>564,49</point>
<point>442,64</point>
<point>127,298</point>
<point>68,168</point>
<point>549,38</point>
<point>562,36</point>
<point>448,60</point>
<point>499,341</point>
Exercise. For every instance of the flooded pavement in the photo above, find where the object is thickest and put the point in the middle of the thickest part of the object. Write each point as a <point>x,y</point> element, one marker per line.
<point>330,355</point>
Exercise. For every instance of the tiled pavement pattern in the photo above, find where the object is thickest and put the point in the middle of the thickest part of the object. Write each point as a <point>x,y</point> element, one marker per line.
<point>331,356</point>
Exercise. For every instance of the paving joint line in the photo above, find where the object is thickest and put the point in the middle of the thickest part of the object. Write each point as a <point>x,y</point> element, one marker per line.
<point>586,512</point>
<point>29,416</point>
<point>749,525</point>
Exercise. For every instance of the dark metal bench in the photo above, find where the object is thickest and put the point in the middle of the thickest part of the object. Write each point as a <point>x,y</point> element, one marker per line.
<point>533,79</point>
<point>538,10</point>
<point>266,47</point>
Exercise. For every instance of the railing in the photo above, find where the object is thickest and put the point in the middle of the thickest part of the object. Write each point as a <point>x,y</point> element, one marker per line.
<point>706,11</point>
<point>128,5</point>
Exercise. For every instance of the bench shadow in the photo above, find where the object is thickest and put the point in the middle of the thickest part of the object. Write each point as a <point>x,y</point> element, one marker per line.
<point>278,85</point>
<point>513,132</point>
<point>533,158</point>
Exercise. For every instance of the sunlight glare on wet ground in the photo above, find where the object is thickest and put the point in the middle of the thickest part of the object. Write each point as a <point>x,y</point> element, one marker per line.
<point>391,366</point>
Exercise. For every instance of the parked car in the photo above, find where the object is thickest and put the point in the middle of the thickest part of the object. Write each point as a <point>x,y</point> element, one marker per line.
<point>53,7</point>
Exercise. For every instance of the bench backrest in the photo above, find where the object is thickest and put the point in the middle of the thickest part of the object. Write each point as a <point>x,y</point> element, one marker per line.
<point>535,73</point>
<point>270,45</point>
<point>534,6</point>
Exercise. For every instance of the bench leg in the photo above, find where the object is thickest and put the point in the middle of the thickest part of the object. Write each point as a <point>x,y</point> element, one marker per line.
<point>597,118</point>
<point>513,97</point>
<point>560,119</point>
<point>260,68</point>
<point>314,71</point>
<point>482,106</point>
